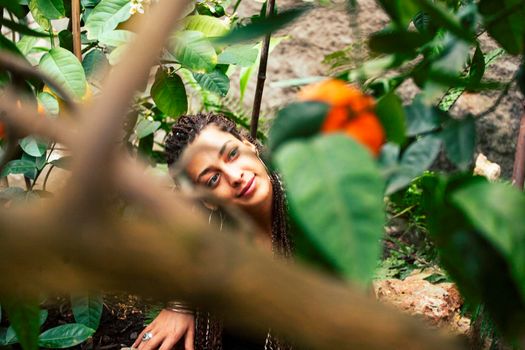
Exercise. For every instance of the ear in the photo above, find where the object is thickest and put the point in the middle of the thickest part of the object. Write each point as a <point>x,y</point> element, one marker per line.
<point>251,145</point>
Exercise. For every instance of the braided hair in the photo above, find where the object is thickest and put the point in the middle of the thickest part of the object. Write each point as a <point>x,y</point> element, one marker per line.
<point>208,330</point>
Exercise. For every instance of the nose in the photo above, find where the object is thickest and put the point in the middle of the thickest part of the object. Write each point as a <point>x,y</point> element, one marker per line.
<point>234,175</point>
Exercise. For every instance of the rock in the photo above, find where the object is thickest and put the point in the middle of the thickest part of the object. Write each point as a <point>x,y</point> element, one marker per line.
<point>485,167</point>
<point>438,303</point>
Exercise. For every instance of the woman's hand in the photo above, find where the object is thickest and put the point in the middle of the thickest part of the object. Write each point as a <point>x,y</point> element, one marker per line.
<point>168,328</point>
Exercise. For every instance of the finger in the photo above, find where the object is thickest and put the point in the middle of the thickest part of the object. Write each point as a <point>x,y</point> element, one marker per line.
<point>189,342</point>
<point>139,338</point>
<point>153,343</point>
<point>168,343</point>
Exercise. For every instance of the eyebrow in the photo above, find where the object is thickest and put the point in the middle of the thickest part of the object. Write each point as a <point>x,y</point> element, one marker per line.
<point>221,153</point>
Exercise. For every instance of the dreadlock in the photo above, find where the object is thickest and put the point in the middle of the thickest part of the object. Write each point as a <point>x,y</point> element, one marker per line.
<point>208,330</point>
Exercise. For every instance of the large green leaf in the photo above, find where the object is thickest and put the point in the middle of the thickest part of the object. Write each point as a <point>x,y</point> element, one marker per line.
<point>6,44</point>
<point>262,27</point>
<point>496,209</point>
<point>193,50</point>
<point>106,16</point>
<point>297,120</point>
<point>52,9</point>
<point>216,82</point>
<point>39,17</point>
<point>169,93</point>
<point>65,336</point>
<point>26,44</point>
<point>208,25</point>
<point>401,41</point>
<point>49,102</point>
<point>504,22</point>
<point>240,55</point>
<point>87,309</point>
<point>417,158</point>
<point>116,38</point>
<point>33,147</point>
<point>13,7</point>
<point>339,206</point>
<point>421,118</point>
<point>24,317</point>
<point>390,111</point>
<point>146,127</point>
<point>401,11</point>
<point>459,138</point>
<point>18,166</point>
<point>95,64</point>
<point>61,65</point>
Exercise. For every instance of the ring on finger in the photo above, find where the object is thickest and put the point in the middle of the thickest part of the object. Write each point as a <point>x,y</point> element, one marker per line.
<point>147,336</point>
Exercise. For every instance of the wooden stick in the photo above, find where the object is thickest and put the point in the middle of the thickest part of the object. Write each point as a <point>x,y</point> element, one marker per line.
<point>518,174</point>
<point>261,76</point>
<point>75,20</point>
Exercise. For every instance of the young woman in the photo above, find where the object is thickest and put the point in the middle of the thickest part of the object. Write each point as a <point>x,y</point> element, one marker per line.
<point>215,155</point>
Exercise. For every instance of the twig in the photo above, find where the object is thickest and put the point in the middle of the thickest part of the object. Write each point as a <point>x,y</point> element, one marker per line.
<point>47,160</point>
<point>75,19</point>
<point>261,76</point>
<point>47,176</point>
<point>13,33</point>
<point>518,173</point>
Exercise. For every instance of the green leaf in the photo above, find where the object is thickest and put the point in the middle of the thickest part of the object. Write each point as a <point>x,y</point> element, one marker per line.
<point>95,64</point>
<point>52,9</point>
<point>65,336</point>
<point>297,120</point>
<point>49,102</point>
<point>194,51</point>
<point>63,162</point>
<point>106,16</point>
<point>39,17</point>
<point>496,210</point>
<point>459,138</point>
<point>442,16</point>
<point>504,22</point>
<point>24,318</point>
<point>146,127</point>
<point>169,94</point>
<point>240,55</point>
<point>21,28</point>
<point>216,82</point>
<point>33,147</point>
<point>62,66</point>
<point>421,118</point>
<point>65,38</point>
<point>6,44</point>
<point>116,38</point>
<point>392,116</point>
<point>42,317</point>
<point>397,41</point>
<point>339,206</point>
<point>87,309</point>
<point>18,166</point>
<point>262,27</point>
<point>417,158</point>
<point>26,44</point>
<point>13,7</point>
<point>208,25</point>
<point>477,67</point>
<point>401,11</point>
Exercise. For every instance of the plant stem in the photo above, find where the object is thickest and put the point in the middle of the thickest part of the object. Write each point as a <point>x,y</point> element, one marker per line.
<point>13,33</point>
<point>47,177</point>
<point>261,77</point>
<point>47,160</point>
<point>75,19</point>
<point>518,174</point>
<point>236,5</point>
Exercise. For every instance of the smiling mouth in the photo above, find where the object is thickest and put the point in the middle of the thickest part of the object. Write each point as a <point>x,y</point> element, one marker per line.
<point>248,189</point>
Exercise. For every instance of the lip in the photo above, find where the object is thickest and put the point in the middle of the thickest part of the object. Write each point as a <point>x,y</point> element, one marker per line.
<point>248,189</point>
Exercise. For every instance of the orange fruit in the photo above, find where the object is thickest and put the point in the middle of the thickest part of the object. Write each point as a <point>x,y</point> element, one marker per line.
<point>351,112</point>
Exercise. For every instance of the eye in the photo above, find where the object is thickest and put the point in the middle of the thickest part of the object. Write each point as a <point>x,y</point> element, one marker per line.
<point>233,153</point>
<point>213,181</point>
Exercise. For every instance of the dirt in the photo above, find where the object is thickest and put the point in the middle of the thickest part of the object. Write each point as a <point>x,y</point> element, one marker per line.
<point>327,29</point>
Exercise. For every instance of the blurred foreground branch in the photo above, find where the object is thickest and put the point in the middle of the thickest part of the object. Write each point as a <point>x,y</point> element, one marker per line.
<point>78,242</point>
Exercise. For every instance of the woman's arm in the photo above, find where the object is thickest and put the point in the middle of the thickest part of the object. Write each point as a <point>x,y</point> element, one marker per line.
<point>168,328</point>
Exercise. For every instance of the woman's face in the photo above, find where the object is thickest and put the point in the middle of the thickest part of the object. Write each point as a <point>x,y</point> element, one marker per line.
<point>230,168</point>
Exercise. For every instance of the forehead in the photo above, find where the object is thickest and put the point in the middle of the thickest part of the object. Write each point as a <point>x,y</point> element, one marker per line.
<point>204,150</point>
